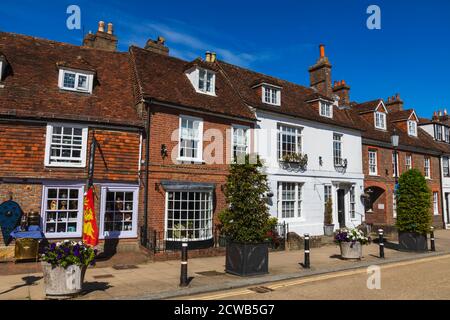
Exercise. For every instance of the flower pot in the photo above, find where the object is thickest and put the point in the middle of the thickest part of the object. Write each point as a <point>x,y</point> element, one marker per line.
<point>412,242</point>
<point>328,230</point>
<point>63,282</point>
<point>244,259</point>
<point>351,250</point>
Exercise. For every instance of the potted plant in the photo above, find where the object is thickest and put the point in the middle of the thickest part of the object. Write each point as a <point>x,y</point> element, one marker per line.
<point>351,242</point>
<point>328,219</point>
<point>64,265</point>
<point>295,159</point>
<point>413,211</point>
<point>246,222</point>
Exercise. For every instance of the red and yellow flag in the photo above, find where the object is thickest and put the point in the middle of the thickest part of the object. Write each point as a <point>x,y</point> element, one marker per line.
<point>90,229</point>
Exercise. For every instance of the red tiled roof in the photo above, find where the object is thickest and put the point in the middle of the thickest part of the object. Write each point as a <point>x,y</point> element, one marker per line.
<point>31,87</point>
<point>293,97</point>
<point>369,106</point>
<point>400,115</point>
<point>163,78</point>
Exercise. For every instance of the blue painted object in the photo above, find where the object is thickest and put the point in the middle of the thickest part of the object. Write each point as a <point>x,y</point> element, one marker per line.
<point>33,232</point>
<point>10,213</point>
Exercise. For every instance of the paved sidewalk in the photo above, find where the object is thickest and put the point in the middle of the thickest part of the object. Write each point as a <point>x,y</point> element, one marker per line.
<point>159,280</point>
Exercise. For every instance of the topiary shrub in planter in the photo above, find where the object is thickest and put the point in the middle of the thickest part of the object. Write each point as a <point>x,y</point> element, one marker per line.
<point>246,222</point>
<point>328,227</point>
<point>414,215</point>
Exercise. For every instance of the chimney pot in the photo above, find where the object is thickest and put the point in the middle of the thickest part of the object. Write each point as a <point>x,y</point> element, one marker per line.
<point>322,51</point>
<point>208,56</point>
<point>101,26</point>
<point>161,40</point>
<point>110,28</point>
<point>213,57</point>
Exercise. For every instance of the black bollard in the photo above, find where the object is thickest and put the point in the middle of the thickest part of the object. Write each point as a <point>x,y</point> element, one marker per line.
<point>184,265</point>
<point>381,243</point>
<point>433,247</point>
<point>307,263</point>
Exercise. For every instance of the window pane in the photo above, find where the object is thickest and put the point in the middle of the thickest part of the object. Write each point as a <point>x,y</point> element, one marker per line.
<point>69,80</point>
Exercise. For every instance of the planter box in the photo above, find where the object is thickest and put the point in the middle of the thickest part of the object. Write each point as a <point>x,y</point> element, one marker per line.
<point>351,250</point>
<point>412,242</point>
<point>328,230</point>
<point>63,282</point>
<point>244,259</point>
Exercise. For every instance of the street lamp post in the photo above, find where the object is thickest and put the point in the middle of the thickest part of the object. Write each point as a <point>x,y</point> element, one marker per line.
<point>394,141</point>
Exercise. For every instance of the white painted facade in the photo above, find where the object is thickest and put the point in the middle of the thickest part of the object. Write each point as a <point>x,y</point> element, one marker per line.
<point>317,143</point>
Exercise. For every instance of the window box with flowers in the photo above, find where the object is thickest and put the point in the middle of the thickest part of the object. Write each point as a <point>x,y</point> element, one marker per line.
<point>295,161</point>
<point>64,265</point>
<point>351,242</point>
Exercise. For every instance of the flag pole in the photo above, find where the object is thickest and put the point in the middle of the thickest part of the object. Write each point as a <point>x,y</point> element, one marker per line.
<point>91,162</point>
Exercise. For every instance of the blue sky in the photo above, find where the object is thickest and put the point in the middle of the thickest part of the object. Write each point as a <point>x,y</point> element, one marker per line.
<point>409,55</point>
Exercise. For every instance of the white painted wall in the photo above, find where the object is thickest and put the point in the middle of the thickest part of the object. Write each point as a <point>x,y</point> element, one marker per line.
<point>317,140</point>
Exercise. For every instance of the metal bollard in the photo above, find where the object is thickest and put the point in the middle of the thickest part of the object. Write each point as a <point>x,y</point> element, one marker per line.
<point>307,263</point>
<point>433,247</point>
<point>184,265</point>
<point>381,242</point>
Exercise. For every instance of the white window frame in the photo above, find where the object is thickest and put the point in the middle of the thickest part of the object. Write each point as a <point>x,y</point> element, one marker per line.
<point>247,138</point>
<point>44,209</point>
<point>412,128</point>
<point>446,166</point>
<point>273,93</point>
<point>2,69</point>
<point>297,136</point>
<point>119,234</point>
<point>436,203</point>
<point>89,78</point>
<point>393,156</point>
<point>210,219</point>
<point>438,132</point>
<point>199,157</point>
<point>337,160</point>
<point>204,90</point>
<point>408,162</point>
<point>373,165</point>
<point>48,144</point>
<point>427,167</point>
<point>380,120</point>
<point>327,194</point>
<point>326,109</point>
<point>352,202</point>
<point>298,201</point>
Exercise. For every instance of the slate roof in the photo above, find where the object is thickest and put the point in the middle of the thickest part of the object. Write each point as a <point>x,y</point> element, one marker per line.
<point>31,85</point>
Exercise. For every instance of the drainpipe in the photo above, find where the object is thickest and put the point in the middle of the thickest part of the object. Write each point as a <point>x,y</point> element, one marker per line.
<point>441,173</point>
<point>144,239</point>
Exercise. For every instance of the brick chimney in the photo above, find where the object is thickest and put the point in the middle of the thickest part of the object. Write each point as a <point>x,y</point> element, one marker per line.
<point>157,46</point>
<point>394,103</point>
<point>101,40</point>
<point>320,74</point>
<point>343,91</point>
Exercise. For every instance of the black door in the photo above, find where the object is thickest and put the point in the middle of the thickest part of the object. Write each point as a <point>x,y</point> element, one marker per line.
<point>341,207</point>
<point>448,209</point>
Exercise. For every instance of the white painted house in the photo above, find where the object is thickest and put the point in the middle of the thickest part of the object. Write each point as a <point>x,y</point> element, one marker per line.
<point>311,144</point>
<point>439,128</point>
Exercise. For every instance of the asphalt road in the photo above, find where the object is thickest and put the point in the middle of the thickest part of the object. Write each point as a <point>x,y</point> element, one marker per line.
<point>428,278</point>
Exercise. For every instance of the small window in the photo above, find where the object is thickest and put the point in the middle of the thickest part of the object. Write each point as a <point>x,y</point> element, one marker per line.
<point>75,81</point>
<point>445,166</point>
<point>191,139</point>
<point>373,170</point>
<point>436,203</point>
<point>62,211</point>
<point>290,199</point>
<point>271,95</point>
<point>438,129</point>
<point>427,170</point>
<point>66,145</point>
<point>447,134</point>
<point>2,69</point>
<point>189,215</point>
<point>408,162</point>
<point>412,128</point>
<point>395,168</point>
<point>326,109</point>
<point>241,142</point>
<point>352,202</point>
<point>327,193</point>
<point>119,212</point>
<point>337,149</point>
<point>380,120</point>
<point>289,140</point>
<point>206,81</point>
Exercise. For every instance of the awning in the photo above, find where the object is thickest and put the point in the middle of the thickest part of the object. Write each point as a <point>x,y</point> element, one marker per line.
<point>170,185</point>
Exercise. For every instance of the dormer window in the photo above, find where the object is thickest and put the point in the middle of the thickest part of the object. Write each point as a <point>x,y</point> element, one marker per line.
<point>2,67</point>
<point>76,80</point>
<point>206,81</point>
<point>412,128</point>
<point>326,109</point>
<point>380,120</point>
<point>271,95</point>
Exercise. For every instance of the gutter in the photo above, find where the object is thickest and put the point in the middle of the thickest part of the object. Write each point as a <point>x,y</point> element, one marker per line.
<point>144,239</point>
<point>400,147</point>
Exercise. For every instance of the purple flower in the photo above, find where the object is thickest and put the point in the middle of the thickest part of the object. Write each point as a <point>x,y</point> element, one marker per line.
<point>53,246</point>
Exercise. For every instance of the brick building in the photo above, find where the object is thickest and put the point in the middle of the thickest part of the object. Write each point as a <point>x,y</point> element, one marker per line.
<point>416,150</point>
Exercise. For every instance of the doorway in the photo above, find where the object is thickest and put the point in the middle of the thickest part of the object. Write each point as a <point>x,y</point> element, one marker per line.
<point>447,207</point>
<point>341,207</point>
